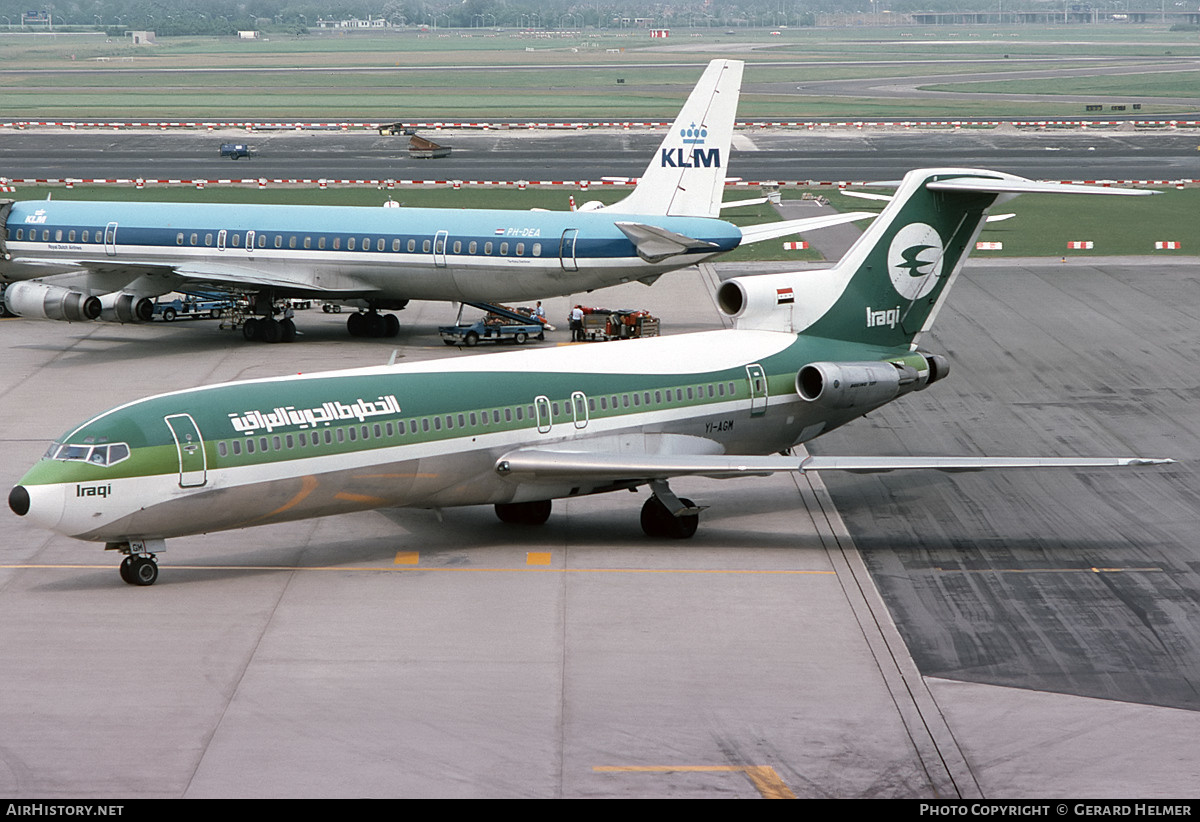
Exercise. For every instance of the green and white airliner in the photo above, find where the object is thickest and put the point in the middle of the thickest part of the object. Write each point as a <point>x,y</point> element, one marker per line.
<point>81,261</point>
<point>809,352</point>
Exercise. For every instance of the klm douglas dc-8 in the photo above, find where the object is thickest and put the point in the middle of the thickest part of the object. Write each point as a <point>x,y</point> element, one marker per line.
<point>811,351</point>
<point>106,260</point>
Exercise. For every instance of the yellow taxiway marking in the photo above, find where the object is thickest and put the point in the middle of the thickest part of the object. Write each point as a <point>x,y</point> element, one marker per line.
<point>348,497</point>
<point>407,558</point>
<point>537,558</point>
<point>763,777</point>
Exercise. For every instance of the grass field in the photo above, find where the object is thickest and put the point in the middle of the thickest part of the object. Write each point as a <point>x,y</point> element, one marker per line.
<point>1041,228</point>
<point>476,74</point>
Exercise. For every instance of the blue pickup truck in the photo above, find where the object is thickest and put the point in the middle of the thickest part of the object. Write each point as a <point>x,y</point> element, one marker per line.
<point>192,306</point>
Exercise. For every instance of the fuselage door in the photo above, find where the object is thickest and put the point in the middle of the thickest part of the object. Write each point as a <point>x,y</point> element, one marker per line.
<point>250,242</point>
<point>566,250</point>
<point>579,408</point>
<point>757,379</point>
<point>193,463</point>
<point>221,239</point>
<point>439,248</point>
<point>110,239</point>
<point>542,405</point>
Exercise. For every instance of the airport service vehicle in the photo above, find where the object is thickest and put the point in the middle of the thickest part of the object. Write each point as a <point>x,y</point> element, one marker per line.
<point>235,151</point>
<point>82,261</point>
<point>192,306</point>
<point>499,324</point>
<point>809,352</point>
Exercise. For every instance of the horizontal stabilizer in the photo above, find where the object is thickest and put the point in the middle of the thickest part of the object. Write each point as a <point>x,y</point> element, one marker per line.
<point>1006,186</point>
<point>541,465</point>
<point>656,244</point>
<point>785,228</point>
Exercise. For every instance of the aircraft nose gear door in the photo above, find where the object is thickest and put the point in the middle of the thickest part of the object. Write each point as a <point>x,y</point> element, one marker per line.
<point>566,250</point>
<point>758,389</point>
<point>193,463</point>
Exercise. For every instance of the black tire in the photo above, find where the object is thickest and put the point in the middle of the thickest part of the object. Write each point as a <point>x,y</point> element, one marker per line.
<point>376,325</point>
<point>525,513</point>
<point>271,330</point>
<point>250,329</point>
<point>143,571</point>
<point>356,324</point>
<point>391,325</point>
<point>169,315</point>
<point>471,340</point>
<point>520,337</point>
<point>287,330</point>
<point>126,570</point>
<point>327,308</point>
<point>660,523</point>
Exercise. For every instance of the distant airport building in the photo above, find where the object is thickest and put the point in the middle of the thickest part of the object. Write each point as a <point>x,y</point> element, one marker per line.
<point>142,38</point>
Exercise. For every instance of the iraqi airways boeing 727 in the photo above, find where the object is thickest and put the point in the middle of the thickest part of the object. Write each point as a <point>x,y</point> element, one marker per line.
<point>108,260</point>
<point>811,351</point>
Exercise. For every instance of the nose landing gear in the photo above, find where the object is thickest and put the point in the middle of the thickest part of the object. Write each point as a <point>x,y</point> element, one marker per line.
<point>140,566</point>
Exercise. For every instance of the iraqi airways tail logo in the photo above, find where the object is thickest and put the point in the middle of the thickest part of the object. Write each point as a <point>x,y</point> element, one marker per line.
<point>915,260</point>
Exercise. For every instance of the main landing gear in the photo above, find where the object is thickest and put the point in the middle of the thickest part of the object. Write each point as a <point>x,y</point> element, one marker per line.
<point>140,566</point>
<point>372,324</point>
<point>269,329</point>
<point>664,516</point>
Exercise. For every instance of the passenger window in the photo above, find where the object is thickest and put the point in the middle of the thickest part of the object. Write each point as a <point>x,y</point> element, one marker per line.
<point>537,249</point>
<point>520,249</point>
<point>349,244</point>
<point>503,249</point>
<point>412,245</point>
<point>487,248</point>
<point>425,246</point>
<point>458,246</point>
<point>472,247</point>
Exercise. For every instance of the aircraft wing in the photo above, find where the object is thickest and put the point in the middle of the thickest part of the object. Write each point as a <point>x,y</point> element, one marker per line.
<point>546,465</point>
<point>784,228</point>
<point>114,275</point>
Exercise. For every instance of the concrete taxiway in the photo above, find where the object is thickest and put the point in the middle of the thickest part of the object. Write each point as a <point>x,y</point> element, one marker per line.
<point>407,653</point>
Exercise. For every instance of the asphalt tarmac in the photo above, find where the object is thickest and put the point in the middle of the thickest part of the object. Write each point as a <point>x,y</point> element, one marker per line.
<point>758,154</point>
<point>1016,635</point>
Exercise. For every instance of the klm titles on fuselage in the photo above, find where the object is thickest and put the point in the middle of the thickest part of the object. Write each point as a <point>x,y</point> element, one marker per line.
<point>693,155</point>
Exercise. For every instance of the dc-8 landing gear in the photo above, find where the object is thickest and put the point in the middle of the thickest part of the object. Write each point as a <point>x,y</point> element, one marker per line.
<point>666,516</point>
<point>140,565</point>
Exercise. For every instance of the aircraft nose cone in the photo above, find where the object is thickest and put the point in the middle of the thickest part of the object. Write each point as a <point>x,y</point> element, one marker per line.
<point>18,500</point>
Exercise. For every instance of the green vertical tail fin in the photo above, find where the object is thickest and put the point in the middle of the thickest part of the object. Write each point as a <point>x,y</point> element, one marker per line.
<point>887,289</point>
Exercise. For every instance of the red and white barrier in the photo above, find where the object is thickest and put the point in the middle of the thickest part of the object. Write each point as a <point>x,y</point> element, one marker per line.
<point>1167,245</point>
<point>1076,245</point>
<point>799,245</point>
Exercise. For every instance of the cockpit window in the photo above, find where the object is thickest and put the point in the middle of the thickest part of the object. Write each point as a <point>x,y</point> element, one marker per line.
<point>109,454</point>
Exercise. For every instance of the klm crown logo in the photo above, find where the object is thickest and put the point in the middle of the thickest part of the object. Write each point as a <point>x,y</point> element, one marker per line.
<point>693,156</point>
